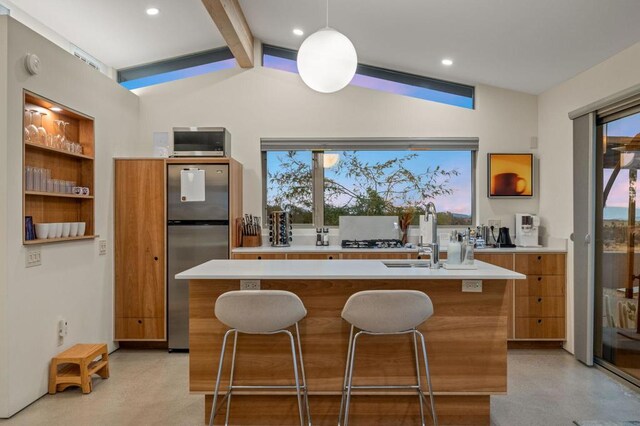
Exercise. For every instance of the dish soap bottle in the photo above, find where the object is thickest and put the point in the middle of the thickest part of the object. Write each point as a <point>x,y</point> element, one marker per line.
<point>454,250</point>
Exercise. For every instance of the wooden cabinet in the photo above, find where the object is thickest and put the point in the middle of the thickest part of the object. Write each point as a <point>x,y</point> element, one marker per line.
<point>311,256</point>
<point>259,256</point>
<point>50,200</point>
<point>537,304</point>
<point>540,300</point>
<point>540,264</point>
<point>140,302</point>
<point>369,255</point>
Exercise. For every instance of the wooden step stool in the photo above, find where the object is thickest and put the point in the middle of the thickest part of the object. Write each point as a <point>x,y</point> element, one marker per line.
<point>77,365</point>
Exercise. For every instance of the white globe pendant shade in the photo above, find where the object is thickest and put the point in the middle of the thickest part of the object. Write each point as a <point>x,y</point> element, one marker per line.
<point>327,61</point>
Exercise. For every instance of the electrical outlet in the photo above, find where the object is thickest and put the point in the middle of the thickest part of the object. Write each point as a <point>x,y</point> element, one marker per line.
<point>496,223</point>
<point>472,286</point>
<point>102,247</point>
<point>249,284</point>
<point>34,257</point>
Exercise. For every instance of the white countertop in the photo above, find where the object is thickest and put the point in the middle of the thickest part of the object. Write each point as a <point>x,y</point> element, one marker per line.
<point>333,249</point>
<point>332,269</point>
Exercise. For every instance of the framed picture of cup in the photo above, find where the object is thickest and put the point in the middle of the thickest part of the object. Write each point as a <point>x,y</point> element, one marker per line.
<point>510,175</point>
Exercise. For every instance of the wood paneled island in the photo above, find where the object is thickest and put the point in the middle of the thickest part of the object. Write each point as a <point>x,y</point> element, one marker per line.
<point>466,341</point>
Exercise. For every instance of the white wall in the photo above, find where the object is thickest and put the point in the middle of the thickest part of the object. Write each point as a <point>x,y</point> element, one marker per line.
<point>555,135</point>
<point>263,102</point>
<point>4,304</point>
<point>73,281</point>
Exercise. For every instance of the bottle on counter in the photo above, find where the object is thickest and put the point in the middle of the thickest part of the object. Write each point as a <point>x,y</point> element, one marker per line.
<point>468,258</point>
<point>325,236</point>
<point>319,237</point>
<point>454,249</point>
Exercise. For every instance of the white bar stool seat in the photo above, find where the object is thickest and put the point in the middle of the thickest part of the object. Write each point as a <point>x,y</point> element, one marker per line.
<point>261,312</point>
<point>380,313</point>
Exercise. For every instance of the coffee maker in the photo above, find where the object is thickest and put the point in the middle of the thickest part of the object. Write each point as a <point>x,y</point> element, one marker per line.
<point>527,230</point>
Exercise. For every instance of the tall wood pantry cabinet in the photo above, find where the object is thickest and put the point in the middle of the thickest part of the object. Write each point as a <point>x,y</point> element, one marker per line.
<point>140,296</point>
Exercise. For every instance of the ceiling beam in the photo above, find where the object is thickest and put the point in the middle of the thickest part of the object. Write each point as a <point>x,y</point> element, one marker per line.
<point>228,17</point>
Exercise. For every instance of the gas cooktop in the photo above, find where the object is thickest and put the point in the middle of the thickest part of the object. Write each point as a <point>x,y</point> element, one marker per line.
<point>372,244</point>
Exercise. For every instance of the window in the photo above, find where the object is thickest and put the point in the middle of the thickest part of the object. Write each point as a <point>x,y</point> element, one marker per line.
<point>385,80</point>
<point>319,181</point>
<point>176,68</point>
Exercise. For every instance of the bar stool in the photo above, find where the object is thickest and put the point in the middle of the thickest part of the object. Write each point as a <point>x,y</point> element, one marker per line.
<point>381,313</point>
<point>261,312</point>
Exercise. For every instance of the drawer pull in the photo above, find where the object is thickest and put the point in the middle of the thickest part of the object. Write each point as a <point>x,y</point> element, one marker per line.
<point>539,278</point>
<point>330,257</point>
<point>139,321</point>
<point>539,321</point>
<point>539,257</point>
<point>155,258</point>
<point>539,299</point>
<point>259,257</point>
<point>419,257</point>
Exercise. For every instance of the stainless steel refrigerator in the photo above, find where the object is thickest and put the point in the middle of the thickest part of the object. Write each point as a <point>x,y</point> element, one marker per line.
<point>197,231</point>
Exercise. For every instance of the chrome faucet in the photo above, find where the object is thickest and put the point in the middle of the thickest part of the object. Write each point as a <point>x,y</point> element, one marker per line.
<point>432,249</point>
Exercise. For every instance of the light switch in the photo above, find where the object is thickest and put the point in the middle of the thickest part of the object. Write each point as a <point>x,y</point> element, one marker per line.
<point>472,286</point>
<point>102,247</point>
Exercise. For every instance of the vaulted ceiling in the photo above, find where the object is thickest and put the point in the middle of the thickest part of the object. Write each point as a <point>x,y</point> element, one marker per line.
<point>523,45</point>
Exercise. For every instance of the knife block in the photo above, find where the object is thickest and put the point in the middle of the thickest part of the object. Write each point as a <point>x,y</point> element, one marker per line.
<point>251,240</point>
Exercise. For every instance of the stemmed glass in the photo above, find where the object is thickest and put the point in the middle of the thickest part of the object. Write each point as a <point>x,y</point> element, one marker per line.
<point>31,131</point>
<point>41,133</point>
<point>60,133</point>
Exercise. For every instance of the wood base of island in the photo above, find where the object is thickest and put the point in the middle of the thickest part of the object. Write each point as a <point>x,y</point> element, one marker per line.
<point>466,343</point>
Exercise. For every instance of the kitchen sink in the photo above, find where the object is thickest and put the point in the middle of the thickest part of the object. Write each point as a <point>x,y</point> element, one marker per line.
<point>407,264</point>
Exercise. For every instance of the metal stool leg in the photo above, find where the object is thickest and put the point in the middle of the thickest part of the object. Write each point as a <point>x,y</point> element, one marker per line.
<point>295,373</point>
<point>420,395</point>
<point>233,366</point>
<point>350,382</point>
<point>426,365</point>
<point>217,388</point>
<point>304,377</point>
<point>346,374</point>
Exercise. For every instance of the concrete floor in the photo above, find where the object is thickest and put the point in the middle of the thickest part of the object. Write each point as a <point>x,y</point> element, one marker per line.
<point>151,388</point>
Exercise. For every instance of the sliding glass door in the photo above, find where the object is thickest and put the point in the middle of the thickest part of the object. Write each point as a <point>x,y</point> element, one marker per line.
<point>617,249</point>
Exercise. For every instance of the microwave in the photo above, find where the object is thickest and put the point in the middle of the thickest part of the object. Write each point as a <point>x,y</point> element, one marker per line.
<point>201,142</point>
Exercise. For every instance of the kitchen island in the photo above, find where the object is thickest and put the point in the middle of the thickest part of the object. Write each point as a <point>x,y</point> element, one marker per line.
<point>466,340</point>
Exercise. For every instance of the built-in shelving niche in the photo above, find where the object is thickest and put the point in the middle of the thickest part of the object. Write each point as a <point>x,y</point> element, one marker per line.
<point>50,207</point>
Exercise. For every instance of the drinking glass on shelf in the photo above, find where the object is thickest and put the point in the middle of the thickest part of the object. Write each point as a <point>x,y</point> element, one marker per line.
<point>37,178</point>
<point>32,130</point>
<point>56,185</point>
<point>45,176</point>
<point>49,185</point>
<point>28,178</point>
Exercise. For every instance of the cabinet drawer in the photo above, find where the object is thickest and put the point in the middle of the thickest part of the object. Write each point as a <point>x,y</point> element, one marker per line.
<point>540,264</point>
<point>140,329</point>
<point>541,285</point>
<point>370,255</point>
<point>539,307</point>
<point>539,328</point>
<point>319,256</point>
<point>259,256</point>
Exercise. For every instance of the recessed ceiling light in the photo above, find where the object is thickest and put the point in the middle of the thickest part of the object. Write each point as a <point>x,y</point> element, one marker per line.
<point>152,11</point>
<point>298,31</point>
<point>447,62</point>
<point>55,109</point>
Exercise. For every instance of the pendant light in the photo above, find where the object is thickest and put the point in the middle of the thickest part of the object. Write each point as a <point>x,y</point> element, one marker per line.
<point>327,60</point>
